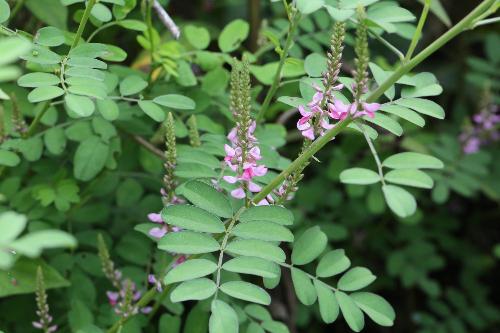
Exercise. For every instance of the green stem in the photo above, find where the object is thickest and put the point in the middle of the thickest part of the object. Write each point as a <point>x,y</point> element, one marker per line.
<point>101,28</point>
<point>403,69</point>
<point>83,23</point>
<point>487,21</point>
<point>277,77</point>
<point>418,32</point>
<point>38,117</point>
<point>17,8</point>
<point>374,153</point>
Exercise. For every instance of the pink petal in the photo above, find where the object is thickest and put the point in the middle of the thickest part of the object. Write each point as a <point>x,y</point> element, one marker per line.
<point>230,179</point>
<point>371,107</point>
<point>155,217</point>
<point>309,133</point>
<point>230,152</point>
<point>303,111</point>
<point>303,124</point>
<point>158,232</point>
<point>263,202</point>
<point>253,187</point>
<point>151,279</point>
<point>260,170</point>
<point>238,193</point>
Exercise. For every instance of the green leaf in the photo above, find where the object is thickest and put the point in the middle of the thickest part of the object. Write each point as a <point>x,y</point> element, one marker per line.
<point>333,263</point>
<point>404,113</point>
<point>199,37</point>
<point>197,289</point>
<point>315,64</point>
<point>49,11</point>
<point>82,106</point>
<point>256,248</point>
<point>190,269</point>
<point>328,305</point>
<point>133,25</point>
<point>108,109</point>
<point>44,93</point>
<point>258,312</point>
<point>4,11</point>
<point>32,245</point>
<point>386,123</point>
<point>89,73</point>
<point>359,176</point>
<point>233,35</point>
<point>423,106</point>
<point>173,101</point>
<point>92,89</point>
<point>132,85</point>
<point>223,318</point>
<point>89,50</point>
<point>351,312</point>
<point>377,308</point>
<point>422,91</point>
<point>306,293</point>
<point>266,231</point>
<point>55,140</point>
<point>42,55</point>
<point>8,158</point>
<point>90,158</point>
<point>188,242</point>
<point>192,218</point>
<point>355,279</point>
<point>86,62</point>
<point>152,110</point>
<point>194,171</point>
<point>399,200</point>
<point>11,226</point>
<point>253,266</point>
<point>410,177</point>
<point>340,15</point>
<point>207,198</point>
<point>380,76</point>
<point>101,12</point>
<point>246,291</point>
<point>411,160</point>
<point>24,272</point>
<point>276,214</point>
<point>39,79</point>
<point>438,10</point>
<point>253,327</point>
<point>13,48</point>
<point>309,6</point>
<point>49,36</point>
<point>309,246</point>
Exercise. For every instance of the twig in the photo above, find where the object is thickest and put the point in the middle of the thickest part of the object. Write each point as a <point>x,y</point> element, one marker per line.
<point>166,19</point>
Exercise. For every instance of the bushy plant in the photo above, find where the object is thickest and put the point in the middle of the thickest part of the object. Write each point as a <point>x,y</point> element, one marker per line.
<point>172,177</point>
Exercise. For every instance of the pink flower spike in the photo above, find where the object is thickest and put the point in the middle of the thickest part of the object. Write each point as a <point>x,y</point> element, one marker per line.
<point>158,232</point>
<point>239,193</point>
<point>303,123</point>
<point>155,217</point>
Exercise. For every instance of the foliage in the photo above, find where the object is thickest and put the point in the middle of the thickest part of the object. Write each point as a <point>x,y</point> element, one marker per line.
<point>152,180</point>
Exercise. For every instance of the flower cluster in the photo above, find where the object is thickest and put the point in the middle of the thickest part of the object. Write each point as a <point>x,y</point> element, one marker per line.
<point>45,319</point>
<point>243,153</point>
<point>245,165</point>
<point>483,131</point>
<point>125,300</point>
<point>163,229</point>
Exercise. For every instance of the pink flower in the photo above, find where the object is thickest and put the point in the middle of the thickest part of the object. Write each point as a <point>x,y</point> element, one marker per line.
<point>152,279</point>
<point>370,109</point>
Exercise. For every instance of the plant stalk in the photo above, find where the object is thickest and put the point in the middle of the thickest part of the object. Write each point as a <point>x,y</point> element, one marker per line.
<point>83,23</point>
<point>277,77</point>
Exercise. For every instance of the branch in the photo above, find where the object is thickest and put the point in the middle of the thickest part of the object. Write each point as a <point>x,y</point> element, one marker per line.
<point>166,19</point>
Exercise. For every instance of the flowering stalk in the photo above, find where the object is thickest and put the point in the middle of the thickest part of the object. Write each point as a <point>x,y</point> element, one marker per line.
<point>45,319</point>
<point>484,128</point>
<point>243,152</point>
<point>17,118</point>
<point>108,266</point>
<point>194,135</point>
<point>124,300</point>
